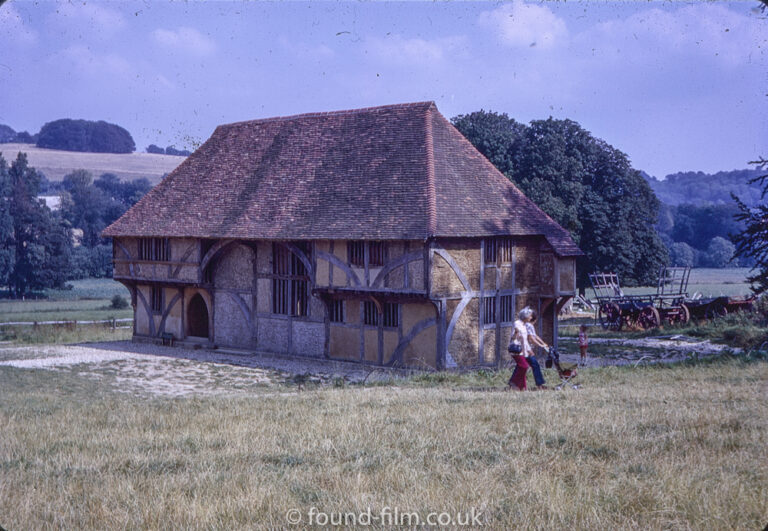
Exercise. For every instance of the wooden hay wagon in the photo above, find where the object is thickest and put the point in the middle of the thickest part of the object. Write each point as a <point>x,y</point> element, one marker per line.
<point>713,307</point>
<point>617,310</point>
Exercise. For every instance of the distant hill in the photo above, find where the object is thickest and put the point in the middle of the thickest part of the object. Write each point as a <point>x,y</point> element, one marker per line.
<point>55,164</point>
<point>701,188</point>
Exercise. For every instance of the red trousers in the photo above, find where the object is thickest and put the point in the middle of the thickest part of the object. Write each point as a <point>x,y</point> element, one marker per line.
<point>518,376</point>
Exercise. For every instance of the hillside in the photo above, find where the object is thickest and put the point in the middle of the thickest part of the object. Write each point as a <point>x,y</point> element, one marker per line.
<point>55,164</point>
<point>702,188</point>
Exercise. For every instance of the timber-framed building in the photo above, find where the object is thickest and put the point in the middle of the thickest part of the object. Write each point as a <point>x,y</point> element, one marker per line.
<point>376,235</point>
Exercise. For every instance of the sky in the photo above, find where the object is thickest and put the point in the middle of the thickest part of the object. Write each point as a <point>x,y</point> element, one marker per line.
<point>677,86</point>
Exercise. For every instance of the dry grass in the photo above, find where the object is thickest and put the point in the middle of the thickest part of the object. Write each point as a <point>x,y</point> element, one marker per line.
<point>55,164</point>
<point>651,448</point>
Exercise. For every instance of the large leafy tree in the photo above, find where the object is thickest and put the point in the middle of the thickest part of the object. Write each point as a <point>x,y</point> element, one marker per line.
<point>41,240</point>
<point>752,242</point>
<point>584,184</point>
<point>7,248</point>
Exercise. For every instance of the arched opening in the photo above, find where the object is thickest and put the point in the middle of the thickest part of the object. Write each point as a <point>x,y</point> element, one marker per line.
<point>197,317</point>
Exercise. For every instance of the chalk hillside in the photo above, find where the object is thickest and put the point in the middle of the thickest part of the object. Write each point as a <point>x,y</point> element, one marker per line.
<point>55,164</point>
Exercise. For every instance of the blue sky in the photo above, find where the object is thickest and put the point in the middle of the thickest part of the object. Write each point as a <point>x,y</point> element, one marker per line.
<point>677,86</point>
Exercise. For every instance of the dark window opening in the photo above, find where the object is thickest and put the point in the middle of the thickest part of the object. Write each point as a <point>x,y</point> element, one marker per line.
<point>156,299</point>
<point>498,249</point>
<point>290,282</point>
<point>376,253</point>
<point>155,249</point>
<point>489,310</point>
<point>370,314</point>
<point>336,311</point>
<point>507,309</point>
<point>505,249</point>
<point>391,315</point>
<point>490,252</point>
<point>356,252</point>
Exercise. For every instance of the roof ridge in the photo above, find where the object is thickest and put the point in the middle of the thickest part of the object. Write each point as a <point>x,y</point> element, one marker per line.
<point>431,191</point>
<point>341,112</point>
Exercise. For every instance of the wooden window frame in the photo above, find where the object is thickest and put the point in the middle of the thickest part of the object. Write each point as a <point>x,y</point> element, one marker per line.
<point>498,251</point>
<point>156,297</point>
<point>507,309</point>
<point>155,249</point>
<point>370,314</point>
<point>377,253</point>
<point>356,253</point>
<point>489,310</point>
<point>371,253</point>
<point>336,310</point>
<point>290,282</point>
<point>391,315</point>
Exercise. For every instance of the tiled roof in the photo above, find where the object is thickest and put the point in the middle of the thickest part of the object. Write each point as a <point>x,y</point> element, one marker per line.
<point>392,172</point>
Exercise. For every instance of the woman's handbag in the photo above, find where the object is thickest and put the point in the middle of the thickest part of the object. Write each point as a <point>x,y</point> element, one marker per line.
<point>515,347</point>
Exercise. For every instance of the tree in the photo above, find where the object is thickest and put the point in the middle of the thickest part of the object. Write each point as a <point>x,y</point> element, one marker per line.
<point>719,252</point>
<point>42,241</point>
<point>157,150</point>
<point>681,255</point>
<point>7,134</point>
<point>7,248</point>
<point>495,135</point>
<point>752,242</point>
<point>584,184</point>
<point>84,135</point>
<point>84,205</point>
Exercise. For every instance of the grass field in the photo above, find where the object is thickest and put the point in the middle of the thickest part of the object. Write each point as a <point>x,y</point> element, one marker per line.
<point>55,164</point>
<point>88,300</point>
<point>678,447</point>
<point>708,282</point>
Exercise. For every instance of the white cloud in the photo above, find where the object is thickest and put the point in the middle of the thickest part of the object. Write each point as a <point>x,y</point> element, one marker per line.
<point>186,40</point>
<point>15,31</point>
<point>525,25</point>
<point>400,50</point>
<point>708,30</point>
<point>82,59</point>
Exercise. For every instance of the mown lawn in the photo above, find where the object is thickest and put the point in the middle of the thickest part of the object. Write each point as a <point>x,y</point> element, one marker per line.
<point>679,447</point>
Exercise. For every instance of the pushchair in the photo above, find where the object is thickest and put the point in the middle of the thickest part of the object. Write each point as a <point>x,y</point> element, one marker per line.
<point>566,371</point>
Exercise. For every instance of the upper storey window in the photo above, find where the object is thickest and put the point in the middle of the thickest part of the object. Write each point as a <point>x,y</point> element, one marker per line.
<point>155,249</point>
<point>498,250</point>
<point>376,253</point>
<point>290,281</point>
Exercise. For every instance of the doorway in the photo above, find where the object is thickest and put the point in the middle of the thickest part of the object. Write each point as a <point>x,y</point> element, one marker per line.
<point>197,317</point>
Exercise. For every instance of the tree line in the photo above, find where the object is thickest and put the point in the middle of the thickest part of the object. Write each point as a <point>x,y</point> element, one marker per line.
<point>612,210</point>
<point>43,248</point>
<point>84,136</point>
<point>583,183</point>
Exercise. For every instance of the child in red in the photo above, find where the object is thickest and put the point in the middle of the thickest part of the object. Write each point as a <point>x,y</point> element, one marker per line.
<point>583,343</point>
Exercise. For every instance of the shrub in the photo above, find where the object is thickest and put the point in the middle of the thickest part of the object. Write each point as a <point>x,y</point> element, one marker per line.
<point>118,303</point>
<point>157,150</point>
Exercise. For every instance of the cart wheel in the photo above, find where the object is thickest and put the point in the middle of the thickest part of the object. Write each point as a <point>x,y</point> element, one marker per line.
<point>649,318</point>
<point>610,316</point>
<point>685,314</point>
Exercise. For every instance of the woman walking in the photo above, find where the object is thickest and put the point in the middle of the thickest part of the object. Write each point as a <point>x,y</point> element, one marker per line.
<point>520,350</point>
<point>535,341</point>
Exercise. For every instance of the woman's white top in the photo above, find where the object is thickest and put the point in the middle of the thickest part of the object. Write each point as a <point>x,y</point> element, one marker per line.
<point>531,332</point>
<point>522,337</point>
